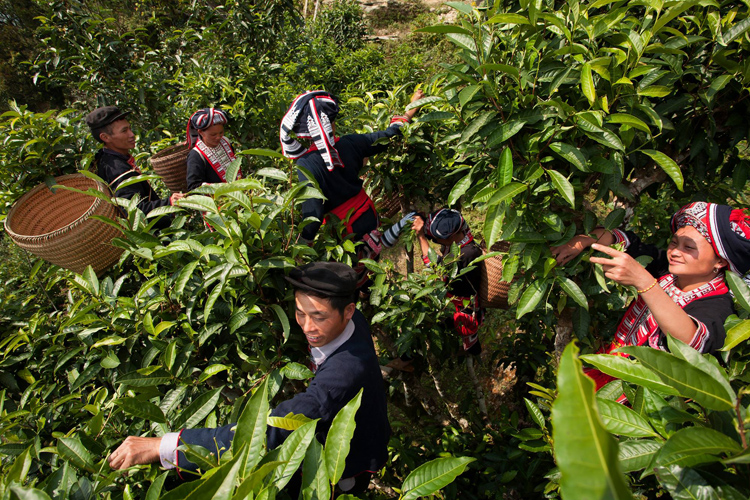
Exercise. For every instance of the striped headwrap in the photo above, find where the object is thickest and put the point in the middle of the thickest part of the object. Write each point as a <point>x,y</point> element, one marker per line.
<point>725,228</point>
<point>201,120</point>
<point>445,223</point>
<point>311,116</point>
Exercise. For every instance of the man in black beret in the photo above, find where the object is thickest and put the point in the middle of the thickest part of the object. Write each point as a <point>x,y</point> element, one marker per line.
<point>344,360</point>
<point>115,164</point>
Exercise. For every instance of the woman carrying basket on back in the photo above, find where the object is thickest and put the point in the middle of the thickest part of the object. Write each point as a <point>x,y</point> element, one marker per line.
<point>682,292</point>
<point>211,152</point>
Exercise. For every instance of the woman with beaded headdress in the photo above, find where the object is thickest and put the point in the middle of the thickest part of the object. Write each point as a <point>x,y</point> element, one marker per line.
<point>683,291</point>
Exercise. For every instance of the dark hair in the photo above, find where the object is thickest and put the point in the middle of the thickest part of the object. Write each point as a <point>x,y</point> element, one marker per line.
<point>338,303</point>
<point>107,129</point>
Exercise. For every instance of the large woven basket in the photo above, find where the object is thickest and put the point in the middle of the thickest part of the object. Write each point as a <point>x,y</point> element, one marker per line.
<point>58,226</point>
<point>388,204</point>
<point>493,291</point>
<point>171,165</point>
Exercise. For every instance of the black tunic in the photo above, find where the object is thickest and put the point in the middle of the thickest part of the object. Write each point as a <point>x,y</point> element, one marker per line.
<point>343,183</point>
<point>111,166</point>
<point>199,171</point>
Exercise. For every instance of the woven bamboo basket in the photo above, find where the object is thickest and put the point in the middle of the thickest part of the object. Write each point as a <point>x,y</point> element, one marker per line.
<point>171,165</point>
<point>388,205</point>
<point>493,291</point>
<point>58,226</point>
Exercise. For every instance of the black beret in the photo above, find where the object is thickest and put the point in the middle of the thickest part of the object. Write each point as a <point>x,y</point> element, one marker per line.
<point>330,279</point>
<point>101,117</point>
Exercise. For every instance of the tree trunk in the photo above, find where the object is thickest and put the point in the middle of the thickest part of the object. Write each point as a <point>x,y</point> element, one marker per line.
<point>563,332</point>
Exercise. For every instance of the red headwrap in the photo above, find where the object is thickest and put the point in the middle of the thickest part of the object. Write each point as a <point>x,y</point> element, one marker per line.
<point>725,228</point>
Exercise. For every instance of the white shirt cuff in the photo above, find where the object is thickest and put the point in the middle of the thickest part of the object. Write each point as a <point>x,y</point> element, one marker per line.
<point>168,449</point>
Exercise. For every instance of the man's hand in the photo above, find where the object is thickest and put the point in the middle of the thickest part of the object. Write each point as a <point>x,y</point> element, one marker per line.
<point>622,268</point>
<point>175,196</point>
<point>135,451</point>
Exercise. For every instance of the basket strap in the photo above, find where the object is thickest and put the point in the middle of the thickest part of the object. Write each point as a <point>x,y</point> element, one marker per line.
<point>121,176</point>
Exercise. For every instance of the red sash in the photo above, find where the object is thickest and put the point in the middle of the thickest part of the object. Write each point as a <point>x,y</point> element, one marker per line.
<point>219,157</point>
<point>357,205</point>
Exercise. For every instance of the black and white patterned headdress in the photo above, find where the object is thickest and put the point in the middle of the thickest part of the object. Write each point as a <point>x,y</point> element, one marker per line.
<point>201,120</point>
<point>311,116</point>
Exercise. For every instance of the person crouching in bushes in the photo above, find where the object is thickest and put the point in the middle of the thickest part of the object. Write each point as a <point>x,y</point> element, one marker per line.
<point>447,226</point>
<point>211,152</point>
<point>683,291</point>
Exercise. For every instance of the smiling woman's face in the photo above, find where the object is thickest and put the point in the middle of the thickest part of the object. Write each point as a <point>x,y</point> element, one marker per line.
<point>692,258</point>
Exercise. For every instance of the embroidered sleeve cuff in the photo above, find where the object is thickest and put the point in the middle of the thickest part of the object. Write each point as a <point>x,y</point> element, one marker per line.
<point>168,450</point>
<point>399,120</point>
<point>621,237</point>
<point>698,342</point>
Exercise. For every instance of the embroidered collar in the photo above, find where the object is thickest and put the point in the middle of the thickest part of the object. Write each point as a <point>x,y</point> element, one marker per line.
<point>218,157</point>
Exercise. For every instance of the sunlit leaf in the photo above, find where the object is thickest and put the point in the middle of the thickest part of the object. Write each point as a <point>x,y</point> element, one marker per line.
<point>72,450</point>
<point>689,381</point>
<point>573,291</point>
<point>563,186</point>
<point>531,298</point>
<point>628,370</point>
<point>250,432</point>
<point>585,452</point>
<point>431,477</point>
<point>142,409</point>
<point>197,410</point>
<point>635,455</point>
<point>587,84</point>
<point>293,451</point>
<point>667,164</point>
<point>339,437</point>
<point>570,153</point>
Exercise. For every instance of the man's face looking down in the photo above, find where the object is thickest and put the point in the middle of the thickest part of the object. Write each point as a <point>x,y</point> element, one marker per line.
<point>320,322</point>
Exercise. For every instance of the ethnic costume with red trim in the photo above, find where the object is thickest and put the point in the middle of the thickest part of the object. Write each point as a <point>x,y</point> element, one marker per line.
<point>205,164</point>
<point>335,163</point>
<point>464,290</point>
<point>728,232</point>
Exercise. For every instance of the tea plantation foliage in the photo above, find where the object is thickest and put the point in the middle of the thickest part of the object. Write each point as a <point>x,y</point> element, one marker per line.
<point>542,119</point>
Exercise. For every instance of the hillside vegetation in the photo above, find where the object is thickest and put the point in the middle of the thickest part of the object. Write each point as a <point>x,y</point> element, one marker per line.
<point>541,120</point>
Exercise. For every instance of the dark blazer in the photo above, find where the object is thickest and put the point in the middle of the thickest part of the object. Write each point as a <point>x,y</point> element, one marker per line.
<point>343,183</point>
<point>352,367</point>
<point>114,168</point>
